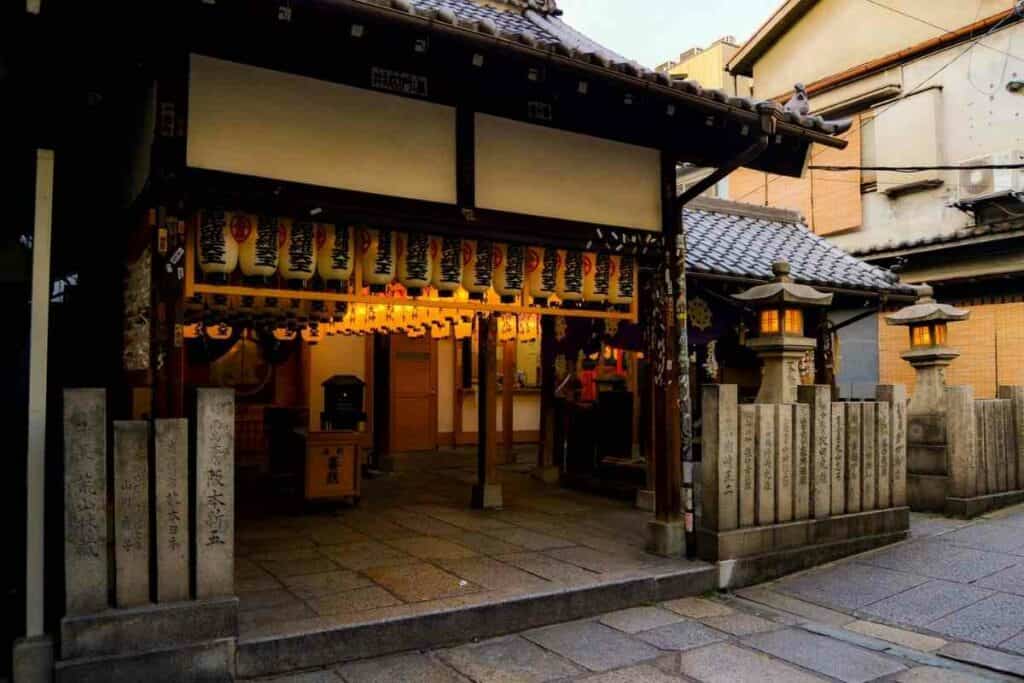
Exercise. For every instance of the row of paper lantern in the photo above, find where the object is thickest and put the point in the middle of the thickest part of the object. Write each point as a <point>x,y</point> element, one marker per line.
<point>261,248</point>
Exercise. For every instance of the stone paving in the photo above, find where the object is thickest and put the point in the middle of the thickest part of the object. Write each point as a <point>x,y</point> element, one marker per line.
<point>413,545</point>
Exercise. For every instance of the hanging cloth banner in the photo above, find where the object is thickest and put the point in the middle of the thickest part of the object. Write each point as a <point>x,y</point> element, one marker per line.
<point>446,272</point>
<point>217,249</point>
<point>620,289</point>
<point>297,253</point>
<point>596,277</point>
<point>509,269</point>
<point>257,239</point>
<point>477,267</point>
<point>378,248</point>
<point>569,283</point>
<point>541,273</point>
<point>414,262</point>
<point>335,259</point>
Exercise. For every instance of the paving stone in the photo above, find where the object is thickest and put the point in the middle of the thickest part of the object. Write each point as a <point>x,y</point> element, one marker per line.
<point>795,606</point>
<point>682,635</point>
<point>1008,581</point>
<point>430,548</point>
<point>849,586</point>
<point>988,622</point>
<point>933,674</point>
<point>983,656</point>
<point>405,667</point>
<point>643,673</point>
<point>363,556</point>
<point>698,608</point>
<point>550,568</point>
<point>264,582</point>
<point>1015,644</point>
<point>318,585</point>
<point>602,562</point>
<point>273,616</point>
<point>637,619</point>
<point>417,582</point>
<point>824,655</point>
<point>491,573</point>
<point>938,560</point>
<point>376,527</point>
<point>336,534</point>
<point>1001,538</point>
<point>508,659</point>
<point>726,663</point>
<point>322,676</point>
<point>484,544</point>
<point>592,645</point>
<point>531,540</point>
<point>909,639</point>
<point>356,600</point>
<point>740,624</point>
<point>286,568</point>
<point>925,603</point>
<point>428,526</point>
<point>555,506</point>
<point>265,599</point>
<point>247,569</point>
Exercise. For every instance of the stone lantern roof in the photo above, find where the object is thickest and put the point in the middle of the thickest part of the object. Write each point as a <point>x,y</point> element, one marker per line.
<point>926,310</point>
<point>782,290</point>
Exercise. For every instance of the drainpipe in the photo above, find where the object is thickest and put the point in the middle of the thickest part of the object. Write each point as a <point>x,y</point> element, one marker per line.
<point>677,276</point>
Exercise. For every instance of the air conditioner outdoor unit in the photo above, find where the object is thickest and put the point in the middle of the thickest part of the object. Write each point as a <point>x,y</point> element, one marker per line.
<point>979,183</point>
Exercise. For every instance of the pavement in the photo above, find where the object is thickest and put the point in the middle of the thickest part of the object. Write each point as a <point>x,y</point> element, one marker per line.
<point>946,605</point>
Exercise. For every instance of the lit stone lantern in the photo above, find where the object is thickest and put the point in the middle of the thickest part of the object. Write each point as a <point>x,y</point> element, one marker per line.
<point>780,340</point>
<point>928,352</point>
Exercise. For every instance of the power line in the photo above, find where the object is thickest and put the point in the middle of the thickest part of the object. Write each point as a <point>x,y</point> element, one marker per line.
<point>917,169</point>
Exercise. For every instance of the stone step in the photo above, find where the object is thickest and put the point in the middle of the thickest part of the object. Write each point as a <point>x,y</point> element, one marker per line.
<point>287,653</point>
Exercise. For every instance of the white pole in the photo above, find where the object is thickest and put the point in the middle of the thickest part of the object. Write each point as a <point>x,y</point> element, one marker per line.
<point>37,394</point>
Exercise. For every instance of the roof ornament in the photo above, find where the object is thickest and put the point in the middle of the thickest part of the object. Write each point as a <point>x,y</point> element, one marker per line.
<point>799,108</point>
<point>544,7</point>
<point>799,103</point>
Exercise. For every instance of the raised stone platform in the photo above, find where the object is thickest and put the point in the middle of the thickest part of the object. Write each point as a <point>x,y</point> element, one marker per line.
<point>979,505</point>
<point>756,554</point>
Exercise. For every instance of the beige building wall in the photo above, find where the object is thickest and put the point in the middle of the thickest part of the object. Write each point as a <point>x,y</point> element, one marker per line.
<point>708,68</point>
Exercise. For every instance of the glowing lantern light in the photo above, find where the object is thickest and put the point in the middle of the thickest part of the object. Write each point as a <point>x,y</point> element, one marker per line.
<point>596,277</point>
<point>569,281</point>
<point>220,331</point>
<point>477,267</point>
<point>378,249</point>
<point>463,329</point>
<point>541,273</point>
<point>258,244</point>
<point>446,273</point>
<point>216,248</point>
<point>507,328</point>
<point>297,252</point>
<point>529,328</point>
<point>415,265</point>
<point>509,271</point>
<point>335,258</point>
<point>620,289</point>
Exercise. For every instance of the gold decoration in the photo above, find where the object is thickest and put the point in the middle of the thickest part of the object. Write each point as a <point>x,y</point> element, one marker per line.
<point>700,313</point>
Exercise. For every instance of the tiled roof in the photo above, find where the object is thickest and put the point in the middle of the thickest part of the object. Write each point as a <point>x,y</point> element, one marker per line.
<point>546,30</point>
<point>742,240</point>
<point>963,235</point>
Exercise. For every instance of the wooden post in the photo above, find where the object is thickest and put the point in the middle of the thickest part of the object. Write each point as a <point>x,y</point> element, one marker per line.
<point>508,384</point>
<point>546,470</point>
<point>487,492</point>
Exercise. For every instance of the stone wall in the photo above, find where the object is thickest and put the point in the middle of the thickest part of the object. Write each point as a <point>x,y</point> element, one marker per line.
<point>787,485</point>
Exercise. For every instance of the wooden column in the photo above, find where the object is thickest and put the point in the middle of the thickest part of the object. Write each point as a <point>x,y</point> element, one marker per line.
<point>508,383</point>
<point>487,492</point>
<point>546,470</point>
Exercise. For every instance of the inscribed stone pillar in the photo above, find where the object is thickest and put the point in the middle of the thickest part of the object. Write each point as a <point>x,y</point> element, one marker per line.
<point>784,462</point>
<point>748,464</point>
<point>896,396</point>
<point>838,442</point>
<point>802,461</point>
<point>991,448</point>
<point>853,457</point>
<point>215,492</point>
<point>868,467</point>
<point>131,512</point>
<point>819,399</point>
<point>766,445</point>
<point>1016,397</point>
<point>85,501</point>
<point>980,450</point>
<point>961,441</point>
<point>172,506</point>
<point>883,448</point>
<point>719,466</point>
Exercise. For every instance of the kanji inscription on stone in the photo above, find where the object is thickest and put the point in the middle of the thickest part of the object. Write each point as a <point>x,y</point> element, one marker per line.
<point>215,492</point>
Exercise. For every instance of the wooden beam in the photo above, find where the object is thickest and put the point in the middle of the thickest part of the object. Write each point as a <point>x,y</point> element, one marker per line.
<point>546,449</point>
<point>508,382</point>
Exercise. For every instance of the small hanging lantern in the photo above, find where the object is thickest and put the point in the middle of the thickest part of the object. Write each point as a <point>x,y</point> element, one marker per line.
<point>541,273</point>
<point>569,284</point>
<point>378,247</point>
<point>335,258</point>
<point>507,328</point>
<point>620,286</point>
<point>596,277</point>
<point>780,342</point>
<point>414,262</point>
<point>446,272</point>
<point>509,271</point>
<point>529,328</point>
<point>297,252</point>
<point>477,267</point>
<point>463,329</point>
<point>219,331</point>
<point>258,242</point>
<point>216,247</point>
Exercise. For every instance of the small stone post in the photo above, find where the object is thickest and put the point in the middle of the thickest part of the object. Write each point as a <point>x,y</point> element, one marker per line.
<point>883,447</point>
<point>131,512</point>
<point>895,395</point>
<point>819,400</point>
<point>766,445</point>
<point>215,492</point>
<point>960,422</point>
<point>868,468</point>
<point>719,467</point>
<point>802,461</point>
<point>172,510</point>
<point>838,458</point>
<point>853,457</point>
<point>748,464</point>
<point>784,462</point>
<point>1016,398</point>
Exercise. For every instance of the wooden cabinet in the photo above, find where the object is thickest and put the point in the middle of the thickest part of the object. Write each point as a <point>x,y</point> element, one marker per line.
<point>332,466</point>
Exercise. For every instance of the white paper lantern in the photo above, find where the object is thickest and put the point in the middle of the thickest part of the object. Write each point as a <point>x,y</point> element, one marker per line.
<point>258,241</point>
<point>620,288</point>
<point>569,280</point>
<point>335,258</point>
<point>298,252</point>
<point>216,249</point>
<point>414,262</point>
<point>541,272</point>
<point>477,267</point>
<point>378,247</point>
<point>509,271</point>
<point>446,272</point>
<point>596,277</point>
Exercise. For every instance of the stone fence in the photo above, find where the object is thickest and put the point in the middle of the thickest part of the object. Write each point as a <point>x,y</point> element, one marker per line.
<point>149,564</point>
<point>984,464</point>
<point>791,485</point>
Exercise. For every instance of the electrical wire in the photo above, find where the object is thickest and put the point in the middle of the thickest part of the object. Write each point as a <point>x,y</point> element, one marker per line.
<point>918,169</point>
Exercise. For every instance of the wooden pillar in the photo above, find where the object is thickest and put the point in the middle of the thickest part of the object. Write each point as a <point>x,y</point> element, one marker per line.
<point>487,492</point>
<point>547,471</point>
<point>508,384</point>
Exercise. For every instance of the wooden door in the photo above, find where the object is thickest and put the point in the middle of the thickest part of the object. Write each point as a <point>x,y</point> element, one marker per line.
<point>413,385</point>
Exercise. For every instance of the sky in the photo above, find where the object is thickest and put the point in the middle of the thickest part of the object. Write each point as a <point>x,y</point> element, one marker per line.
<point>655,31</point>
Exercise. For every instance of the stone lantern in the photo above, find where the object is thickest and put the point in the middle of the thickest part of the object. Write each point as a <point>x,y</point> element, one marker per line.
<point>780,340</point>
<point>928,353</point>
